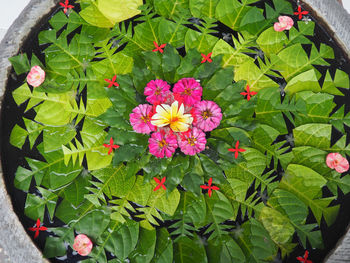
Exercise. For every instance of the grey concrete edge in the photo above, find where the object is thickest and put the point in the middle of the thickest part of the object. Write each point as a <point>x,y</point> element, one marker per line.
<point>331,13</point>
<point>15,244</point>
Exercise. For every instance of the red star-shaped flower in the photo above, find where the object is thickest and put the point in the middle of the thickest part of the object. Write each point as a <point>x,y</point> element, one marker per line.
<point>209,187</point>
<point>37,228</point>
<point>112,82</point>
<point>207,58</point>
<point>160,183</point>
<point>236,150</point>
<point>300,13</point>
<point>305,260</point>
<point>248,93</point>
<point>158,48</point>
<point>111,146</point>
<point>66,5</point>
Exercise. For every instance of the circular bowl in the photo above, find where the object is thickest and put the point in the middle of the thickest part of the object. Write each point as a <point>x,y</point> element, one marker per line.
<point>15,244</point>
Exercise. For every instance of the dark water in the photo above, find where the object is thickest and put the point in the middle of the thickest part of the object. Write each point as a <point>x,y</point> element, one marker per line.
<point>12,157</point>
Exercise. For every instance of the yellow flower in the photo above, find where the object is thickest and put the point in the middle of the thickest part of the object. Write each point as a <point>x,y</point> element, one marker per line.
<point>173,116</point>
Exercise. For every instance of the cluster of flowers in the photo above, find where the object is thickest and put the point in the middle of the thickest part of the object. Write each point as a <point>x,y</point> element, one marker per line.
<point>177,118</point>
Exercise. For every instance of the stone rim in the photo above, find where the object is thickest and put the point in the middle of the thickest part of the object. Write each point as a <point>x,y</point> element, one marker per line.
<point>15,244</point>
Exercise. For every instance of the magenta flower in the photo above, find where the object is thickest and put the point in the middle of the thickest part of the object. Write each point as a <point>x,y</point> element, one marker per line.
<point>140,119</point>
<point>161,144</point>
<point>285,23</point>
<point>207,115</point>
<point>337,162</point>
<point>192,142</point>
<point>157,91</point>
<point>36,76</point>
<point>82,244</point>
<point>188,90</point>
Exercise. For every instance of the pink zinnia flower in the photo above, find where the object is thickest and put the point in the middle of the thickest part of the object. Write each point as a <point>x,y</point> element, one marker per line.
<point>157,91</point>
<point>140,119</point>
<point>337,162</point>
<point>36,76</point>
<point>82,244</point>
<point>207,115</point>
<point>285,23</point>
<point>192,142</point>
<point>161,144</point>
<point>189,90</point>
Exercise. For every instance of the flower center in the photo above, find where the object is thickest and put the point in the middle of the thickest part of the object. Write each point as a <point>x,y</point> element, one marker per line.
<point>192,141</point>
<point>145,119</point>
<point>206,114</point>
<point>158,90</point>
<point>187,92</point>
<point>172,115</point>
<point>162,143</point>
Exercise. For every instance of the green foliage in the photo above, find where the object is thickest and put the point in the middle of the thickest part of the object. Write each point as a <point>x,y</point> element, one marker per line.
<point>286,129</point>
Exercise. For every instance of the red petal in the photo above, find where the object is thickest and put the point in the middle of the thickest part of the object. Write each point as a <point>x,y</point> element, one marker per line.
<point>163,180</point>
<point>204,187</point>
<point>210,181</point>
<point>215,188</point>
<point>156,179</point>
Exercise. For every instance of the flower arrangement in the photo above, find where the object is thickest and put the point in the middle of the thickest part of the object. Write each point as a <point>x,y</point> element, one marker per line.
<point>181,131</point>
<point>178,118</point>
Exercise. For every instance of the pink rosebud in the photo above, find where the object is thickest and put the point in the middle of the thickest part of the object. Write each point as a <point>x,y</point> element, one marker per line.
<point>337,162</point>
<point>82,244</point>
<point>36,76</point>
<point>285,23</point>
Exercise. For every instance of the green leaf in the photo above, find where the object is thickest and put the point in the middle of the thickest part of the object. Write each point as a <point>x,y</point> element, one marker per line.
<point>234,56</point>
<point>256,77</point>
<point>318,135</point>
<point>191,210</point>
<point>122,241</point>
<point>53,170</point>
<point>226,251</point>
<point>189,250</point>
<point>54,247</point>
<point>293,60</point>
<point>119,10</point>
<point>35,206</point>
<point>295,212</point>
<point>93,224</point>
<point>171,8</point>
<point>310,193</point>
<point>271,41</point>
<point>20,63</point>
<point>94,16</point>
<point>280,231</point>
<point>203,8</point>
<point>231,12</point>
<point>93,136</point>
<point>255,242</point>
<point>164,247</point>
<point>144,250</point>
<point>263,139</point>
<point>74,193</point>
<point>219,209</point>
<point>172,33</point>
